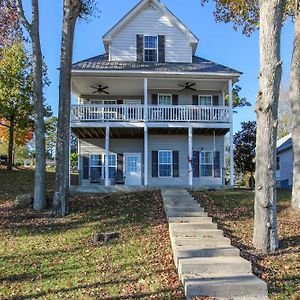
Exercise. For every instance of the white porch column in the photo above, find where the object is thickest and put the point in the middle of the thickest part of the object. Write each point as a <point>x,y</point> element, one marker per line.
<point>231,133</point>
<point>107,181</point>
<point>190,138</point>
<point>145,155</point>
<point>146,99</point>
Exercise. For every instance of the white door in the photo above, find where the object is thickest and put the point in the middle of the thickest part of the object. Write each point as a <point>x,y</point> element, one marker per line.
<point>133,169</point>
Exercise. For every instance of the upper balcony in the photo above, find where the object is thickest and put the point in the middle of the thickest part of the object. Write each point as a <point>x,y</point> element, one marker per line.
<point>149,113</point>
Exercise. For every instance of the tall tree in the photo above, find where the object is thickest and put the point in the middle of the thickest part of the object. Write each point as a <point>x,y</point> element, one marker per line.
<point>73,10</point>
<point>295,103</point>
<point>15,93</point>
<point>244,150</point>
<point>38,101</point>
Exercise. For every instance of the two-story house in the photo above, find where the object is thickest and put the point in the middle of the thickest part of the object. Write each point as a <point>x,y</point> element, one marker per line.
<point>150,112</point>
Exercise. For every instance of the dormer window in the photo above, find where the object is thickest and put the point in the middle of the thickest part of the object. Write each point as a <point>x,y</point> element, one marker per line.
<point>150,48</point>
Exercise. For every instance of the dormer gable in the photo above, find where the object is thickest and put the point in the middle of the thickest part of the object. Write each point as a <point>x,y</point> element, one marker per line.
<point>150,32</point>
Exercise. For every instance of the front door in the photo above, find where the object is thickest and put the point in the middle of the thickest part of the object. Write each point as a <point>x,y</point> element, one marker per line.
<point>133,169</point>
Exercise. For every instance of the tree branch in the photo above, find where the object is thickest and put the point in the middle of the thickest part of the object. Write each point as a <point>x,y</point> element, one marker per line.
<point>22,16</point>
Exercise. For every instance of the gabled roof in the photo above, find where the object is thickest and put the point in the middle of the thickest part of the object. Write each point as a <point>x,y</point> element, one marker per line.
<point>199,65</point>
<point>284,143</point>
<point>137,9</point>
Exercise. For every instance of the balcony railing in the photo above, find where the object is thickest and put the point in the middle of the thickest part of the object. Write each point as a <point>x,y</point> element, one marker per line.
<point>155,113</point>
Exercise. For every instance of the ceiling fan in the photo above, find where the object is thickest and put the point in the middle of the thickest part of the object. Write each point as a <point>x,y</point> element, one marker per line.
<point>100,89</point>
<point>187,86</point>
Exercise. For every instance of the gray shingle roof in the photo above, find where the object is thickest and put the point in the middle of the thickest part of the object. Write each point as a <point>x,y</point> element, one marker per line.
<point>201,65</point>
<point>285,143</point>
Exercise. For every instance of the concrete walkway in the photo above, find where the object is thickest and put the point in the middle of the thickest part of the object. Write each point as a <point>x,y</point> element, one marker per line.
<point>207,263</point>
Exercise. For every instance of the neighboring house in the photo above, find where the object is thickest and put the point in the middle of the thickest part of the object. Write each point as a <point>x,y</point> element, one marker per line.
<point>284,166</point>
<point>151,106</point>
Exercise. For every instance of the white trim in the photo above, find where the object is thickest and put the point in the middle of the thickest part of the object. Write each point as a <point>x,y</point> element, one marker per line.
<point>124,164</point>
<point>231,133</point>
<point>190,151</point>
<point>171,163</point>
<point>144,48</point>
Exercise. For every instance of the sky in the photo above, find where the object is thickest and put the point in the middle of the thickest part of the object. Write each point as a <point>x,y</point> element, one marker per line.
<point>218,42</point>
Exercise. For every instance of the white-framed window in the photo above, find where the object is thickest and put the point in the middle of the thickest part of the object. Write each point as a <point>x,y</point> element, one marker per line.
<point>164,99</point>
<point>150,48</point>
<point>205,100</point>
<point>103,102</point>
<point>97,166</point>
<point>165,163</point>
<point>206,163</point>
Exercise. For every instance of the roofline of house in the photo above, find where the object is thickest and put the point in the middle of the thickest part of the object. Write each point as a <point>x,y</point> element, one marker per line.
<point>286,148</point>
<point>193,39</point>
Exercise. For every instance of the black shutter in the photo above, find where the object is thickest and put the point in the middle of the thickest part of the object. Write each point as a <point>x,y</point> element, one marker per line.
<point>85,166</point>
<point>195,100</point>
<point>174,99</point>
<point>154,163</point>
<point>120,174</point>
<point>119,101</point>
<point>215,100</point>
<point>217,164</point>
<point>139,48</point>
<point>154,99</point>
<point>161,49</point>
<point>196,172</point>
<point>175,163</point>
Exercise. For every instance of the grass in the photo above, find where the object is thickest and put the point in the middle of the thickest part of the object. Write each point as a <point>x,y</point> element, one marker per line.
<point>233,210</point>
<point>46,258</point>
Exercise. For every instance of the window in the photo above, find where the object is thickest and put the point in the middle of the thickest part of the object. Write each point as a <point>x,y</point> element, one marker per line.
<point>277,163</point>
<point>164,99</point>
<point>206,163</point>
<point>205,100</point>
<point>165,163</point>
<point>97,167</point>
<point>150,48</point>
<point>103,102</point>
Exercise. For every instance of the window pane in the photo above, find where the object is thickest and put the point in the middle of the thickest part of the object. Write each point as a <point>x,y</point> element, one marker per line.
<point>131,164</point>
<point>95,160</point>
<point>96,174</point>
<point>112,160</point>
<point>206,158</point>
<point>151,42</point>
<point>205,100</point>
<point>165,170</point>
<point>164,100</point>
<point>206,170</point>
<point>150,55</point>
<point>164,157</point>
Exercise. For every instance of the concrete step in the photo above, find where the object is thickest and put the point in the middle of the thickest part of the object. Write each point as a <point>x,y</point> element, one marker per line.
<point>193,226</point>
<point>183,232</point>
<point>182,205</point>
<point>184,210</point>
<point>190,252</point>
<point>179,213</point>
<point>187,220</point>
<point>178,198</point>
<point>199,241</point>
<point>214,265</point>
<point>234,286</point>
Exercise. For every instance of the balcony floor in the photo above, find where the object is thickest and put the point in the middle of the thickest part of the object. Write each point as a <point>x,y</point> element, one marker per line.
<point>133,132</point>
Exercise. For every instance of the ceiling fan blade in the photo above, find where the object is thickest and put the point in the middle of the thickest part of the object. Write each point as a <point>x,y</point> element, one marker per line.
<point>105,87</point>
<point>182,90</point>
<point>95,92</point>
<point>93,87</point>
<point>107,93</point>
<point>182,85</point>
<point>192,84</point>
<point>192,89</point>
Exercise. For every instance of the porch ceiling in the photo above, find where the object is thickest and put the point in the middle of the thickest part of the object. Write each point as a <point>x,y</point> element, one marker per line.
<point>120,86</point>
<point>138,133</point>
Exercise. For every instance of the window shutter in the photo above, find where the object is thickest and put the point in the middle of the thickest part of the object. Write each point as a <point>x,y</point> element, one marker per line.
<point>217,164</point>
<point>215,100</point>
<point>195,100</point>
<point>154,163</point>
<point>139,48</point>
<point>85,166</point>
<point>196,172</point>
<point>119,174</point>
<point>161,49</point>
<point>154,99</point>
<point>175,163</point>
<point>174,99</point>
<point>119,101</point>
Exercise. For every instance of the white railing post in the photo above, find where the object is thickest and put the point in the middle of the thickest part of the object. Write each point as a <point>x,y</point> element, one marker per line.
<point>190,165</point>
<point>146,155</point>
<point>231,133</point>
<point>145,99</point>
<point>107,181</point>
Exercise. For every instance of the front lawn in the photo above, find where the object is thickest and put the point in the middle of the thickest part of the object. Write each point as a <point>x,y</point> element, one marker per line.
<point>233,211</point>
<point>46,258</point>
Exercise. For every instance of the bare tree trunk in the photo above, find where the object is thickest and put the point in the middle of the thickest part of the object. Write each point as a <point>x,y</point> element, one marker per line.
<point>10,143</point>
<point>265,235</point>
<point>38,99</point>
<point>295,103</point>
<point>61,195</point>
